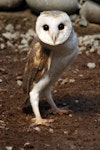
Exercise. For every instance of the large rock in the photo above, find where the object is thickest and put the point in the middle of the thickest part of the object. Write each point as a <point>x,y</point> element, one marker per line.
<point>90,11</point>
<point>70,6</point>
<point>82,1</point>
<point>10,4</point>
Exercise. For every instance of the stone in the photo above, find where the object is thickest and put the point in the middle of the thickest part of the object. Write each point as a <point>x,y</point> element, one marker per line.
<point>9,28</point>
<point>76,101</point>
<point>10,4</point>
<point>91,65</point>
<point>19,82</point>
<point>83,21</point>
<point>91,12</point>
<point>98,52</point>
<point>9,148</point>
<point>51,130</point>
<point>71,80</point>
<point>82,48</point>
<point>92,50</point>
<point>7,35</point>
<point>37,129</point>
<point>31,32</point>
<point>69,6</point>
<point>16,35</point>
<point>9,44</point>
<point>28,145</point>
<point>0,80</point>
<point>24,42</point>
<point>2,46</point>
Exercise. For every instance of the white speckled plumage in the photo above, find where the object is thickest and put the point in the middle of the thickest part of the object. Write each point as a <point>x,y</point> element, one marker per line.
<point>53,53</point>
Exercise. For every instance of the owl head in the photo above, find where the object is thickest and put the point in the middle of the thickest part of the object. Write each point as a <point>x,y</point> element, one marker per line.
<point>53,27</point>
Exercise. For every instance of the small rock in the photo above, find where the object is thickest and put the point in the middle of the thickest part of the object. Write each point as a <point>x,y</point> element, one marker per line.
<point>19,82</point>
<point>91,65</point>
<point>51,130</point>
<point>47,145</point>
<point>80,75</point>
<point>71,80</point>
<point>76,101</point>
<point>19,77</point>
<point>96,43</point>
<point>9,148</point>
<point>28,145</point>
<point>79,52</point>
<point>55,91</point>
<point>24,41</point>
<point>66,132</point>
<point>1,121</point>
<point>64,81</point>
<point>9,44</point>
<point>23,48</point>
<point>37,129</point>
<point>0,80</point>
<point>1,39</point>
<point>9,28</point>
<point>18,27</point>
<point>87,53</point>
<point>64,104</point>
<point>23,35</point>
<point>83,48</point>
<point>70,115</point>
<point>80,40</point>
<point>92,50</point>
<point>2,46</point>
<point>16,35</point>
<point>7,35</point>
<point>98,52</point>
<point>83,22</point>
<point>31,32</point>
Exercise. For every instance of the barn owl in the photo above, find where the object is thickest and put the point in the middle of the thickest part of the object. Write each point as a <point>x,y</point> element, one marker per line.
<point>51,53</point>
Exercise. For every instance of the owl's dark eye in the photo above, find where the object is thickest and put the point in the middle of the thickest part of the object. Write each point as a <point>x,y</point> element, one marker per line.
<point>61,26</point>
<point>46,27</point>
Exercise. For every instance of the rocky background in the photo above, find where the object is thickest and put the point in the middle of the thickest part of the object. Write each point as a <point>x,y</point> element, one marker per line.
<point>88,10</point>
<point>78,89</point>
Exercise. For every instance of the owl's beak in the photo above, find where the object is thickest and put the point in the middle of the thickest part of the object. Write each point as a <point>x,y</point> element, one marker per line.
<point>54,38</point>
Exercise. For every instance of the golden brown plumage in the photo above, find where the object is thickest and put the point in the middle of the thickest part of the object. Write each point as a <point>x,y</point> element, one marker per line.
<point>36,66</point>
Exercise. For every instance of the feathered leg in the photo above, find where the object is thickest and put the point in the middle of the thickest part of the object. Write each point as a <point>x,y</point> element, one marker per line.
<point>34,100</point>
<point>54,109</point>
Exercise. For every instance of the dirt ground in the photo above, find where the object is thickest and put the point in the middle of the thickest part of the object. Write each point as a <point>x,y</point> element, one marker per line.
<point>79,130</point>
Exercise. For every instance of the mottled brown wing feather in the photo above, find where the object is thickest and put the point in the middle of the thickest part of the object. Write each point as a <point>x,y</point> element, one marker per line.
<point>37,64</point>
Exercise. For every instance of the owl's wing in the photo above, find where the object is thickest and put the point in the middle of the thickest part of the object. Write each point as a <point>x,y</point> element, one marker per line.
<point>36,66</point>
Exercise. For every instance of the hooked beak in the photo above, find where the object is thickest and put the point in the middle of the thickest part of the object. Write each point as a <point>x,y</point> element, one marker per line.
<point>54,37</point>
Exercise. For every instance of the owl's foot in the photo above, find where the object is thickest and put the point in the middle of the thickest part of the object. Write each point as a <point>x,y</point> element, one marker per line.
<point>60,111</point>
<point>41,121</point>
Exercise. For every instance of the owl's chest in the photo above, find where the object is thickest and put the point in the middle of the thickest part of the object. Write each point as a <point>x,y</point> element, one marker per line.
<point>57,66</point>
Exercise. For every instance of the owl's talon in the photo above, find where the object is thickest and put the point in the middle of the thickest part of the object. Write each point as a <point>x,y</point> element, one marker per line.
<point>40,121</point>
<point>60,111</point>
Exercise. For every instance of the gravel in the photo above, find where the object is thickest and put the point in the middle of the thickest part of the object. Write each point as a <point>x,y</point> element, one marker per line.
<point>89,44</point>
<point>13,37</point>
